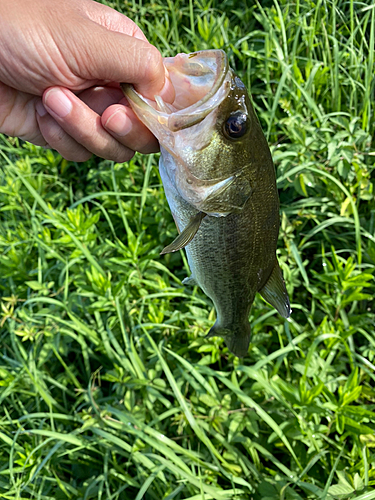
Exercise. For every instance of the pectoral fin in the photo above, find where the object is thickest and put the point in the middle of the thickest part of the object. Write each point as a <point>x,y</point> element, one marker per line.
<point>226,196</point>
<point>190,281</point>
<point>186,235</point>
<point>274,292</point>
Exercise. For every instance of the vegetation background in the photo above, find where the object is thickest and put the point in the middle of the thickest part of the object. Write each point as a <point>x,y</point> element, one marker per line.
<point>109,389</point>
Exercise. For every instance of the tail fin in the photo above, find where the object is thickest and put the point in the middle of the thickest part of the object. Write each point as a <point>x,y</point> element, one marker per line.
<point>237,338</point>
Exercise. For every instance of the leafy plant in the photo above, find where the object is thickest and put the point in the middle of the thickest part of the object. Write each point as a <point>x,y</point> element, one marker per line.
<point>108,387</point>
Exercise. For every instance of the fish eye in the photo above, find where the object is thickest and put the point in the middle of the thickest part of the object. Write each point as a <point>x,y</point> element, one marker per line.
<point>236,125</point>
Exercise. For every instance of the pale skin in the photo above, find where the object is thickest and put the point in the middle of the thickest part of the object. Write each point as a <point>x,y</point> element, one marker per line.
<point>60,65</point>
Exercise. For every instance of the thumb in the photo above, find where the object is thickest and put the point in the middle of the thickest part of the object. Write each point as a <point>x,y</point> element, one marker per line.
<point>121,55</point>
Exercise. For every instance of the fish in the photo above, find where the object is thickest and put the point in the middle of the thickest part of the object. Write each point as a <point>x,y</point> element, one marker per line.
<point>220,183</point>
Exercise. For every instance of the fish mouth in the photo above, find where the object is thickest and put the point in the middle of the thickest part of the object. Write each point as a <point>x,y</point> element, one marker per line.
<point>201,83</point>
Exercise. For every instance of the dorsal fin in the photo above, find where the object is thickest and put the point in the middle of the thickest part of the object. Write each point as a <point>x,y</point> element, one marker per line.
<point>274,292</point>
<point>186,235</point>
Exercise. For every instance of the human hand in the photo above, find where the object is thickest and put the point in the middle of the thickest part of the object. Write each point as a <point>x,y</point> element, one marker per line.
<point>59,64</point>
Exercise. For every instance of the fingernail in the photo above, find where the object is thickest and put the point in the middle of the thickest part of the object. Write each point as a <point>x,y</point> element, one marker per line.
<point>40,109</point>
<point>58,102</point>
<point>119,123</point>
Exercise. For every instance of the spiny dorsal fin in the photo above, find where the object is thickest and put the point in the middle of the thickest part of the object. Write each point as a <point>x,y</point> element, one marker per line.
<point>186,235</point>
<point>274,292</point>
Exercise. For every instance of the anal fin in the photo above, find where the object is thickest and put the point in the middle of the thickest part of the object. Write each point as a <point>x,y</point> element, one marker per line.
<point>274,292</point>
<point>185,237</point>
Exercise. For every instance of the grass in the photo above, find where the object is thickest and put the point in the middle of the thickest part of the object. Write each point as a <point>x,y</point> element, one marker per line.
<point>109,389</point>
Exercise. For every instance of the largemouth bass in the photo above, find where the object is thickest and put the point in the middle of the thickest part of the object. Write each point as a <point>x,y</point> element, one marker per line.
<point>219,180</point>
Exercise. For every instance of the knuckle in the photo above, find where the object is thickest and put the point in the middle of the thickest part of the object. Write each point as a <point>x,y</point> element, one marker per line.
<point>54,134</point>
<point>83,135</point>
